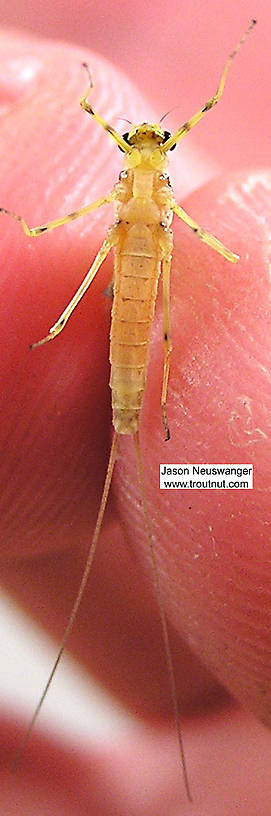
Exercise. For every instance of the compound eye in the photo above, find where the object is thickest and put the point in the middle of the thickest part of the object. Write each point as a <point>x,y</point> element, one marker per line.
<point>167,136</point>
<point>125,136</point>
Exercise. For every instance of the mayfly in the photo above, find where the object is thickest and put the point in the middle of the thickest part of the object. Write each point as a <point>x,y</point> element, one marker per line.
<point>142,240</point>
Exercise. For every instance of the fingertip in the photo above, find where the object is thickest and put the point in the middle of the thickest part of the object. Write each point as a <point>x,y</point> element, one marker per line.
<point>214,543</point>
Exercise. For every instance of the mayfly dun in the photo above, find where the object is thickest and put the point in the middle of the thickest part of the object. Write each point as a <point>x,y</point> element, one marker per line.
<point>142,240</point>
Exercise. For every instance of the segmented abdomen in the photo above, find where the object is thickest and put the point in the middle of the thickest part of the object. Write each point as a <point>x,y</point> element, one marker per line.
<point>136,274</point>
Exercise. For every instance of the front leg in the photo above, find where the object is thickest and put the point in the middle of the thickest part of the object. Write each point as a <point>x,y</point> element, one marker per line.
<point>172,140</point>
<point>85,104</point>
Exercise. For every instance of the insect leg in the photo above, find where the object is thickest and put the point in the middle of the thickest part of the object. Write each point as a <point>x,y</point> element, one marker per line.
<point>166,242</point>
<point>169,143</point>
<point>109,241</point>
<point>34,231</point>
<point>109,290</point>
<point>204,236</point>
<point>89,109</point>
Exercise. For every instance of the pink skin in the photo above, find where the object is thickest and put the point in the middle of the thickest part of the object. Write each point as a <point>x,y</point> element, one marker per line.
<point>55,440</point>
<point>175,52</point>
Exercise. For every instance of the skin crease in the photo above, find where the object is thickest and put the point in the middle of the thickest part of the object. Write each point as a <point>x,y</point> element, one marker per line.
<point>55,440</point>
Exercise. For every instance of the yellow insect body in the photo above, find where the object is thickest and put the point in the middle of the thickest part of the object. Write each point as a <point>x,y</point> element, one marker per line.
<point>143,238</point>
<point>142,241</point>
